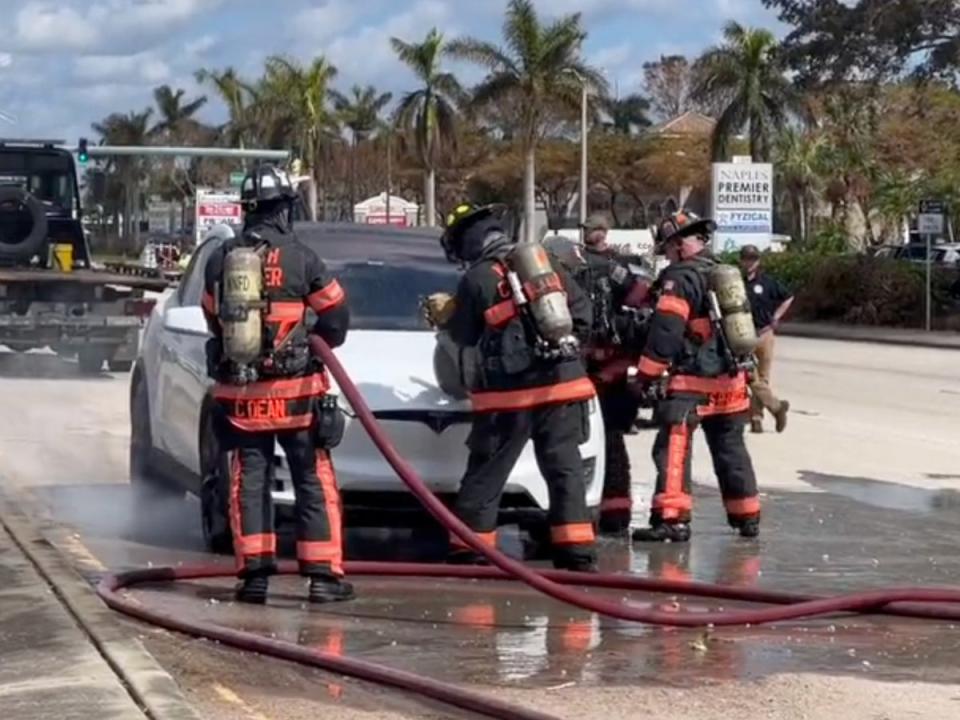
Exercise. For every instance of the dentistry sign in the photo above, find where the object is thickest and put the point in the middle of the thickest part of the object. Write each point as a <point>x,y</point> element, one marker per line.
<point>742,204</point>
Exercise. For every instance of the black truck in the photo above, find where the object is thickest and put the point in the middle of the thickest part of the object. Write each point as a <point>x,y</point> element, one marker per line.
<point>52,294</point>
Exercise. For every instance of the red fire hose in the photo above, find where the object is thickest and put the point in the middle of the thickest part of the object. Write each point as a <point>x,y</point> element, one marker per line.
<point>931,603</point>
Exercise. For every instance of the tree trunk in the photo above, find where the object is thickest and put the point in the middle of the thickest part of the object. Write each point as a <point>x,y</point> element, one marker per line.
<point>802,207</point>
<point>353,176</point>
<point>529,193</point>
<point>312,196</point>
<point>430,198</point>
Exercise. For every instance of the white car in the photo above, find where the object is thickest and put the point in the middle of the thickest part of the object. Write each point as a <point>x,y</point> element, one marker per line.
<point>388,353</point>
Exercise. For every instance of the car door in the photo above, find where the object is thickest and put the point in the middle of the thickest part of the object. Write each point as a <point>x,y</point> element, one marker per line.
<point>183,377</point>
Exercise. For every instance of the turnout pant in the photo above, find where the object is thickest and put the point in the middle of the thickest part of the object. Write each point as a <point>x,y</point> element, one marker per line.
<point>761,392</point>
<point>496,442</point>
<point>672,453</point>
<point>317,502</point>
<point>619,410</point>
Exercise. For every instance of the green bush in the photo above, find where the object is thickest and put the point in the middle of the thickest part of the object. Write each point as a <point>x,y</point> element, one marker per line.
<point>857,289</point>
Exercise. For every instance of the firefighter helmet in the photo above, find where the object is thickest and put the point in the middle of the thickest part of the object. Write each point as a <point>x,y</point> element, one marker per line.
<point>265,184</point>
<point>459,220</point>
<point>682,224</point>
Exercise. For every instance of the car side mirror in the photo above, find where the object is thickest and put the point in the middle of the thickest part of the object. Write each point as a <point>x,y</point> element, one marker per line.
<point>186,320</point>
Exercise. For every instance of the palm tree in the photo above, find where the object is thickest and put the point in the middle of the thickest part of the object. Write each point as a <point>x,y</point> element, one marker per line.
<point>801,162</point>
<point>238,97</point>
<point>429,114</point>
<point>175,116</point>
<point>360,113</point>
<point>627,113</point>
<point>540,71</point>
<point>130,129</point>
<point>303,93</point>
<point>748,73</point>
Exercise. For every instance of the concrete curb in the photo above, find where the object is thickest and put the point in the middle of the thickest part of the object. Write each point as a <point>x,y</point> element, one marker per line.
<point>881,336</point>
<point>150,686</point>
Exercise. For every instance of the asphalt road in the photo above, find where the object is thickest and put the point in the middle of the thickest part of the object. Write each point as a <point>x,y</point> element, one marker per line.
<point>860,491</point>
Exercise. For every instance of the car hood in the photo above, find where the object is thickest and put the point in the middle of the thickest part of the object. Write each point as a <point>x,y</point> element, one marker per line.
<point>394,370</point>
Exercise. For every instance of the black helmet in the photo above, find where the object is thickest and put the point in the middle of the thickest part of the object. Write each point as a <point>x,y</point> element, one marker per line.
<point>266,184</point>
<point>679,225</point>
<point>459,220</point>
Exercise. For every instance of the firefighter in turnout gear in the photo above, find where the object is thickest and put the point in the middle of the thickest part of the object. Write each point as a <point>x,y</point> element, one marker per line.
<point>277,391</point>
<point>526,317</point>
<point>618,288</point>
<point>687,365</point>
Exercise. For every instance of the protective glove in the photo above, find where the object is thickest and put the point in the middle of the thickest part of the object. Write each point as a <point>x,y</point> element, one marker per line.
<point>439,308</point>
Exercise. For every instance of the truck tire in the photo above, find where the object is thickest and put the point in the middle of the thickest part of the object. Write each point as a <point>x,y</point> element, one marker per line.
<point>120,366</point>
<point>90,361</point>
<point>25,247</point>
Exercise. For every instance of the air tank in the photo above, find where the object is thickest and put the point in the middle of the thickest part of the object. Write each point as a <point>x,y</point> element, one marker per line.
<point>240,315</point>
<point>727,284</point>
<point>543,291</point>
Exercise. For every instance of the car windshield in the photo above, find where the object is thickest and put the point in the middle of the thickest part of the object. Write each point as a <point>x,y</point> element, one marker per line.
<point>386,296</point>
<point>47,176</point>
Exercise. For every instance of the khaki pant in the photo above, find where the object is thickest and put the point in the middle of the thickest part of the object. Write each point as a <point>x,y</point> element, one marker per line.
<point>761,393</point>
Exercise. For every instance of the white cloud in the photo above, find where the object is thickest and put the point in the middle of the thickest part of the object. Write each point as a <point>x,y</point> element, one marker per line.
<point>6,60</point>
<point>103,27</point>
<point>324,22</point>
<point>121,68</point>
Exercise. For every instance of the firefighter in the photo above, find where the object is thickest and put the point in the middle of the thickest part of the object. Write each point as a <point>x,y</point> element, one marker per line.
<point>281,396</point>
<point>618,288</point>
<point>683,363</point>
<point>524,391</point>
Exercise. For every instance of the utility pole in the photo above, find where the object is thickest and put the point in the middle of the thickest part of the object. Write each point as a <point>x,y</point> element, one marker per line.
<point>584,140</point>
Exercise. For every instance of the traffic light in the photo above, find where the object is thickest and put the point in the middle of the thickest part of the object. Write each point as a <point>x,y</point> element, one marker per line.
<point>82,155</point>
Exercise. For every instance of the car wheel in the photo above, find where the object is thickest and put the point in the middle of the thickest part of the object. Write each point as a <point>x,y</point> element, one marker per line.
<point>214,493</point>
<point>148,485</point>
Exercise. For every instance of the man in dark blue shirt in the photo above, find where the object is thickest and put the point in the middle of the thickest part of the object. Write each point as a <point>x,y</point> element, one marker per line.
<point>769,300</point>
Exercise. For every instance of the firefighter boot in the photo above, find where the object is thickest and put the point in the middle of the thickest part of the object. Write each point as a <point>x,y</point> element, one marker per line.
<point>253,589</point>
<point>663,532</point>
<point>465,556</point>
<point>575,558</point>
<point>747,527</point>
<point>329,588</point>
<point>781,416</point>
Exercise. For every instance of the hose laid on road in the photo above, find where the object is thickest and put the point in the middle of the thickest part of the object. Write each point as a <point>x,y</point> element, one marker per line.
<point>931,603</point>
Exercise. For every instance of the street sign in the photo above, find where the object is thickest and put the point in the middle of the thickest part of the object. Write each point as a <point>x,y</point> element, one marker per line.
<point>236,179</point>
<point>742,204</point>
<point>216,208</point>
<point>930,221</point>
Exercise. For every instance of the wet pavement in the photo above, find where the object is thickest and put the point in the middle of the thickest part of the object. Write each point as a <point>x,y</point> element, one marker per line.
<point>861,492</point>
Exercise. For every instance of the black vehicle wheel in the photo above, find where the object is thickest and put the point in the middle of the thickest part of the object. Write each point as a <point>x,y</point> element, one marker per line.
<point>149,487</point>
<point>120,366</point>
<point>90,361</point>
<point>214,493</point>
<point>23,225</point>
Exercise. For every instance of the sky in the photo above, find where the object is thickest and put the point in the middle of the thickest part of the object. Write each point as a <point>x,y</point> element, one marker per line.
<point>65,64</point>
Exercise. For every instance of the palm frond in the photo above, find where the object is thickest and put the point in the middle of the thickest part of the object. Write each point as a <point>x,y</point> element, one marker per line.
<point>482,53</point>
<point>494,88</point>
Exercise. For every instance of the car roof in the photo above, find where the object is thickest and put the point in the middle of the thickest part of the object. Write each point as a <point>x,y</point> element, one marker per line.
<point>344,242</point>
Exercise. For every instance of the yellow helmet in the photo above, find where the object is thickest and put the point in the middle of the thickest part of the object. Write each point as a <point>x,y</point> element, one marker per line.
<point>458,220</point>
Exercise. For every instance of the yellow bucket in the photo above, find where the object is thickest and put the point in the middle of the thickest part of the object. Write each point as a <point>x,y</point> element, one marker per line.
<point>63,257</point>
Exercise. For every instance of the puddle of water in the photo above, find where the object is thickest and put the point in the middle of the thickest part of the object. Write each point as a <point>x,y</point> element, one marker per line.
<point>887,495</point>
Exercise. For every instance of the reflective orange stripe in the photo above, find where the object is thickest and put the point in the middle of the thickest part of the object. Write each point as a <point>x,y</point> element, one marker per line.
<point>281,389</point>
<point>743,507</point>
<point>613,371</point>
<point>501,313</point>
<point>675,500</point>
<point>327,297</point>
<point>285,311</point>
<point>674,573</point>
<point>331,500</point>
<point>578,635</point>
<point>572,534</point>
<point>208,303</point>
<point>616,503</point>
<point>705,386</point>
<point>317,551</point>
<point>294,422</point>
<point>673,305</point>
<point>263,544</point>
<point>731,403</point>
<point>236,524</point>
<point>570,391</point>
<point>543,285</point>
<point>652,368</point>
<point>701,328</point>
<point>487,538</point>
